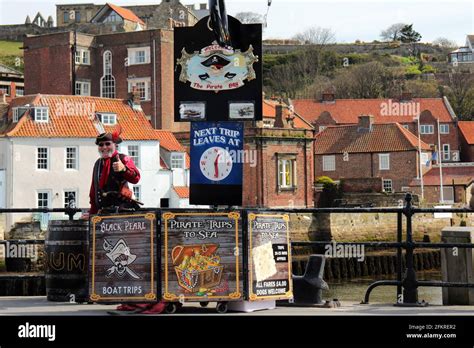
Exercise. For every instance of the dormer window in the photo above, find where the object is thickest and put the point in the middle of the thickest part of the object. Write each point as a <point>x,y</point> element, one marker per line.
<point>41,114</point>
<point>108,119</point>
<point>16,114</point>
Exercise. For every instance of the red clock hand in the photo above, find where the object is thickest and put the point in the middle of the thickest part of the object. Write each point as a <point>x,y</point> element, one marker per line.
<point>216,167</point>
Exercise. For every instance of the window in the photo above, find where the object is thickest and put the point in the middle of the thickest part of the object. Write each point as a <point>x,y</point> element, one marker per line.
<point>70,197</point>
<point>405,126</point>
<point>446,152</point>
<point>66,16</point>
<point>425,159</point>
<point>143,87</point>
<point>384,161</point>
<point>20,91</point>
<point>426,129</point>
<point>83,88</point>
<point>286,173</point>
<point>77,16</point>
<point>16,114</point>
<point>71,158</point>
<point>137,192</point>
<point>42,199</point>
<point>42,158</point>
<point>5,90</point>
<point>329,163</point>
<point>134,154</point>
<point>138,55</point>
<point>321,128</point>
<point>82,56</point>
<point>444,128</point>
<point>112,17</point>
<point>387,185</point>
<point>108,119</point>
<point>41,114</point>
<point>107,81</point>
<point>177,161</point>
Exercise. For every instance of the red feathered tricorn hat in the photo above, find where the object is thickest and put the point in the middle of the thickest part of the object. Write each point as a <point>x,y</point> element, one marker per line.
<point>114,136</point>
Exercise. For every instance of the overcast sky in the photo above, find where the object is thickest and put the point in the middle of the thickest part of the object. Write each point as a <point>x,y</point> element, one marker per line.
<point>350,19</point>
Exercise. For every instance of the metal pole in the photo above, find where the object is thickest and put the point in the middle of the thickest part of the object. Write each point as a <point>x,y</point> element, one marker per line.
<point>399,255</point>
<point>440,163</point>
<point>421,167</point>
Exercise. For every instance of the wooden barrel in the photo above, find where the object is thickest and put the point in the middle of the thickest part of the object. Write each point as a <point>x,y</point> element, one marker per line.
<point>67,260</point>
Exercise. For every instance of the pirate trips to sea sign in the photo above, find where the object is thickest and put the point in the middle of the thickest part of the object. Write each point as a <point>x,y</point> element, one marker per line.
<point>200,256</point>
<point>216,83</point>
<point>123,258</point>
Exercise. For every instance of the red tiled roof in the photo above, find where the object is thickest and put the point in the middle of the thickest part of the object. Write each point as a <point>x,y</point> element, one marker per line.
<point>72,116</point>
<point>125,13</point>
<point>388,137</point>
<point>168,141</point>
<point>467,130</point>
<point>269,111</point>
<point>347,111</point>
<point>462,175</point>
<point>182,191</point>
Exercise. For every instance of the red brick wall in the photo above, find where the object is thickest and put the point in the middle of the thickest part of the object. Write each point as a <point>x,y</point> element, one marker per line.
<point>467,151</point>
<point>362,185</point>
<point>48,64</point>
<point>48,68</point>
<point>403,167</point>
<point>432,195</point>
<point>260,186</point>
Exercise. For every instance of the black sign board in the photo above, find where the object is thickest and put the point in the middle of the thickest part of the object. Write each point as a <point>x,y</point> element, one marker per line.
<point>269,256</point>
<point>213,83</point>
<point>123,258</point>
<point>201,261</point>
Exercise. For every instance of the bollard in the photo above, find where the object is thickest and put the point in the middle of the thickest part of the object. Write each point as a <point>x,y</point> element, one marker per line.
<point>307,289</point>
<point>457,265</point>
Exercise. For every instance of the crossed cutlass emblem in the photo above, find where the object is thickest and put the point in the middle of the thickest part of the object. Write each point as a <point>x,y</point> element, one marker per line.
<point>120,255</point>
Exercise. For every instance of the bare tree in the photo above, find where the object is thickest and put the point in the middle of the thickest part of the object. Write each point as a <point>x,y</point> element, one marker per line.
<point>316,36</point>
<point>392,33</point>
<point>459,92</point>
<point>249,17</point>
<point>445,43</point>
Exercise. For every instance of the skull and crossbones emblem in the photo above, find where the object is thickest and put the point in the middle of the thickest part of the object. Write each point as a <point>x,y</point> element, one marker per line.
<point>120,255</point>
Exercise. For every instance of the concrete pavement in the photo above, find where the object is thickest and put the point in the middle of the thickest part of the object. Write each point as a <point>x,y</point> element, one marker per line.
<point>19,306</point>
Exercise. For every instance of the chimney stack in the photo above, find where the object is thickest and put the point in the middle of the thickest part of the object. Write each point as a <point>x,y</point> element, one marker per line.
<point>406,96</point>
<point>365,123</point>
<point>328,97</point>
<point>203,6</point>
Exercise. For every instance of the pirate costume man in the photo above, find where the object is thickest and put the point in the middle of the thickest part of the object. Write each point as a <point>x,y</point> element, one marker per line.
<point>111,175</point>
<point>110,192</point>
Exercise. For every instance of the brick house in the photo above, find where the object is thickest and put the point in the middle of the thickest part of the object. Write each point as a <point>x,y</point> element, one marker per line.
<point>47,152</point>
<point>11,83</point>
<point>466,137</point>
<point>119,19</point>
<point>383,151</point>
<point>331,111</point>
<point>458,180</point>
<point>108,66</point>
<point>283,174</point>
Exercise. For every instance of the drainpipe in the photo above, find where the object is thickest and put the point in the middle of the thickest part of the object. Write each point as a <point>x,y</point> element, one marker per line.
<point>74,49</point>
<point>154,84</point>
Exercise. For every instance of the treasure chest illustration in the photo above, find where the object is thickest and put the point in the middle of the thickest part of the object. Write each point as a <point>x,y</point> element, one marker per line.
<point>197,266</point>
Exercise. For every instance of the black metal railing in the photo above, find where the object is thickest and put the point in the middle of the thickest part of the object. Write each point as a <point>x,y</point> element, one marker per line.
<point>406,282</point>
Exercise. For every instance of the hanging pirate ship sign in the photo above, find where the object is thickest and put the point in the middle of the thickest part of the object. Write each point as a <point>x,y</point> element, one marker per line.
<point>214,75</point>
<point>217,68</point>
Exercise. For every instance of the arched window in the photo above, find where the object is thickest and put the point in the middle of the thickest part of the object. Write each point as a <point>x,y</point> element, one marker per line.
<point>107,81</point>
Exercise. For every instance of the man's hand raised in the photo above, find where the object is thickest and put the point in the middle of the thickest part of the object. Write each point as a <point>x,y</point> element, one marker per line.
<point>118,166</point>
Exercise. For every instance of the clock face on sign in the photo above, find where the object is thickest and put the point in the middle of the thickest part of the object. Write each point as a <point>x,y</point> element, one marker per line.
<point>215,163</point>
